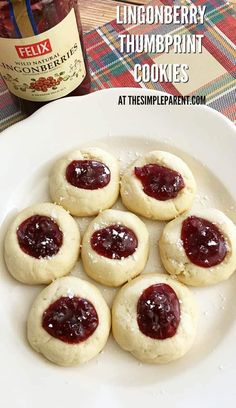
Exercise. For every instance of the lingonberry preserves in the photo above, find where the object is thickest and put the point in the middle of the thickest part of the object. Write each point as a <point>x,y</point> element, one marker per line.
<point>159,182</point>
<point>88,174</point>
<point>158,312</point>
<point>114,242</point>
<point>39,236</point>
<point>70,319</point>
<point>203,242</point>
<point>42,54</point>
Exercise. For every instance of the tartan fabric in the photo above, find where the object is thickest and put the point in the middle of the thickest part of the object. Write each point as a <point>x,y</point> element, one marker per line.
<point>212,73</point>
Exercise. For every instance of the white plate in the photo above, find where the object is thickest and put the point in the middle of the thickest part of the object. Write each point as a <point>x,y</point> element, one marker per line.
<point>206,140</point>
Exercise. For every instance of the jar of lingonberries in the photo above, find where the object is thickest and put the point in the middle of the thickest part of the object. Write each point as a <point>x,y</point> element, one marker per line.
<point>42,54</point>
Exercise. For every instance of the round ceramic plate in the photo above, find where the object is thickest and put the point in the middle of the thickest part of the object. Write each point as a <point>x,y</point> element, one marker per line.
<point>207,142</point>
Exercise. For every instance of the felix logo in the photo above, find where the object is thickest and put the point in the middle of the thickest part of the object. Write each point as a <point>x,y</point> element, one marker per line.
<point>34,50</point>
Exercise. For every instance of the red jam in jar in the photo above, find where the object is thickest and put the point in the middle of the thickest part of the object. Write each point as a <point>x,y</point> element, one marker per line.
<point>42,54</point>
<point>71,320</point>
<point>158,312</point>
<point>203,242</point>
<point>159,182</point>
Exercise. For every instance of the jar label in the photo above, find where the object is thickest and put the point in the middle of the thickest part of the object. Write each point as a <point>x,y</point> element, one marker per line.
<point>46,66</point>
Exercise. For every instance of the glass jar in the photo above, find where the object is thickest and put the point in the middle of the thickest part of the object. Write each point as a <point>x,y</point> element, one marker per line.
<point>42,54</point>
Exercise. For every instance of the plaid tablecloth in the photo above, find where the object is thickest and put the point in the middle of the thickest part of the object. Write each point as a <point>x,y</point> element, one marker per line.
<point>212,73</point>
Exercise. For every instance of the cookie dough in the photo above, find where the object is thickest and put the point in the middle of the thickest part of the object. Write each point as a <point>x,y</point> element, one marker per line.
<point>126,321</point>
<point>177,262</point>
<point>84,329</point>
<point>31,252</point>
<point>88,199</point>
<point>115,247</point>
<point>137,200</point>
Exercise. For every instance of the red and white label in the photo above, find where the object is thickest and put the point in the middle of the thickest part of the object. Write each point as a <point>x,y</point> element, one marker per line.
<point>34,50</point>
<point>27,63</point>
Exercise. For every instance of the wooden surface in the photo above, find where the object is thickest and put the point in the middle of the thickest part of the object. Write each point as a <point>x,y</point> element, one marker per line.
<point>98,12</point>
<point>95,13</point>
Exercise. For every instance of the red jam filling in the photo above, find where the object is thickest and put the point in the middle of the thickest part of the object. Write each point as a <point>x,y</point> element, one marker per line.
<point>71,320</point>
<point>203,242</point>
<point>88,174</point>
<point>39,236</point>
<point>158,312</point>
<point>159,182</point>
<point>114,242</point>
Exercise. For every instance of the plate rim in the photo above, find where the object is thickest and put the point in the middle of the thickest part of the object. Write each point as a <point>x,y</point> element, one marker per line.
<point>73,99</point>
